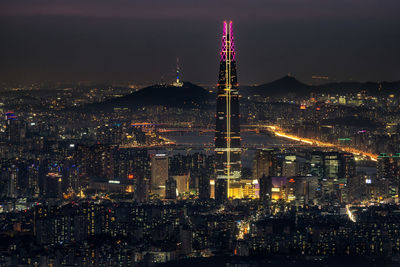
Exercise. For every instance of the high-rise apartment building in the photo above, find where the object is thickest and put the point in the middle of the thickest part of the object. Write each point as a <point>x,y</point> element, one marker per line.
<point>159,173</point>
<point>264,163</point>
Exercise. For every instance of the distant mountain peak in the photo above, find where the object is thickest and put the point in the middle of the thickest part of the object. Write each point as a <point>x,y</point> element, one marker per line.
<point>288,79</point>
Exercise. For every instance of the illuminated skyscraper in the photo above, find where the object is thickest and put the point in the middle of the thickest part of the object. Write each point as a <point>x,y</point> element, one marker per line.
<point>265,163</point>
<point>227,127</point>
<point>159,173</point>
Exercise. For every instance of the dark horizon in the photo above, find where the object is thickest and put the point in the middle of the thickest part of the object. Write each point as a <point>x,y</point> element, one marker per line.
<point>139,42</point>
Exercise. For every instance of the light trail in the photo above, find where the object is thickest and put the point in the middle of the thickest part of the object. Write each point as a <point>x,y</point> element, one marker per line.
<point>279,132</point>
<point>350,214</point>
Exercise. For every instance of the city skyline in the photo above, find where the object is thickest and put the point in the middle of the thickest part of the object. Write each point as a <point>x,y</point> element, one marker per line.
<point>132,148</point>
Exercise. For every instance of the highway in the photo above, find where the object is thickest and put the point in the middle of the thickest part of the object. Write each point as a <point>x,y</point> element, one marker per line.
<point>279,132</point>
<point>276,130</point>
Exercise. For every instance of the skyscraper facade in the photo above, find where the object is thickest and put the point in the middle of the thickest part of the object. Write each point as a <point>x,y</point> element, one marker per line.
<point>227,126</point>
<point>159,173</point>
<point>265,163</point>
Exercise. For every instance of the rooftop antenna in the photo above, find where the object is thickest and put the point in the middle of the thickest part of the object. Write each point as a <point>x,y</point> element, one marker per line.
<point>177,83</point>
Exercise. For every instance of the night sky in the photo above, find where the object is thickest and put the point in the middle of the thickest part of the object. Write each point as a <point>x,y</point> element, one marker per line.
<point>120,40</point>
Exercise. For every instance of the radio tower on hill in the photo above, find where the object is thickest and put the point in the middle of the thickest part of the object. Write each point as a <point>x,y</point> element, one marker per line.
<point>227,126</point>
<point>177,83</point>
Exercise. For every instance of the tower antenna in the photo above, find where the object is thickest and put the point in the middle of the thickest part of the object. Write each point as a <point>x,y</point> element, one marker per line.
<point>177,83</point>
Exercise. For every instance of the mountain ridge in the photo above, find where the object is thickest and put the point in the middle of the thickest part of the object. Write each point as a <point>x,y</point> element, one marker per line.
<point>289,85</point>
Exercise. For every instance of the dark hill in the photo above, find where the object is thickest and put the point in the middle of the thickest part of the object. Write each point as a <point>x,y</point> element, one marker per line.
<point>353,121</point>
<point>187,96</point>
<point>285,86</point>
<point>289,86</point>
<point>372,88</point>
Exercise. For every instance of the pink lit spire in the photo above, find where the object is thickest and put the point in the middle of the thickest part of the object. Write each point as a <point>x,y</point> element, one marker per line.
<point>223,45</point>
<point>231,41</point>
<point>227,47</point>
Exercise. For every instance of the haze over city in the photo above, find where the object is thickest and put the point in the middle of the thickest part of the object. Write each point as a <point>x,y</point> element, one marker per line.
<point>116,40</point>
